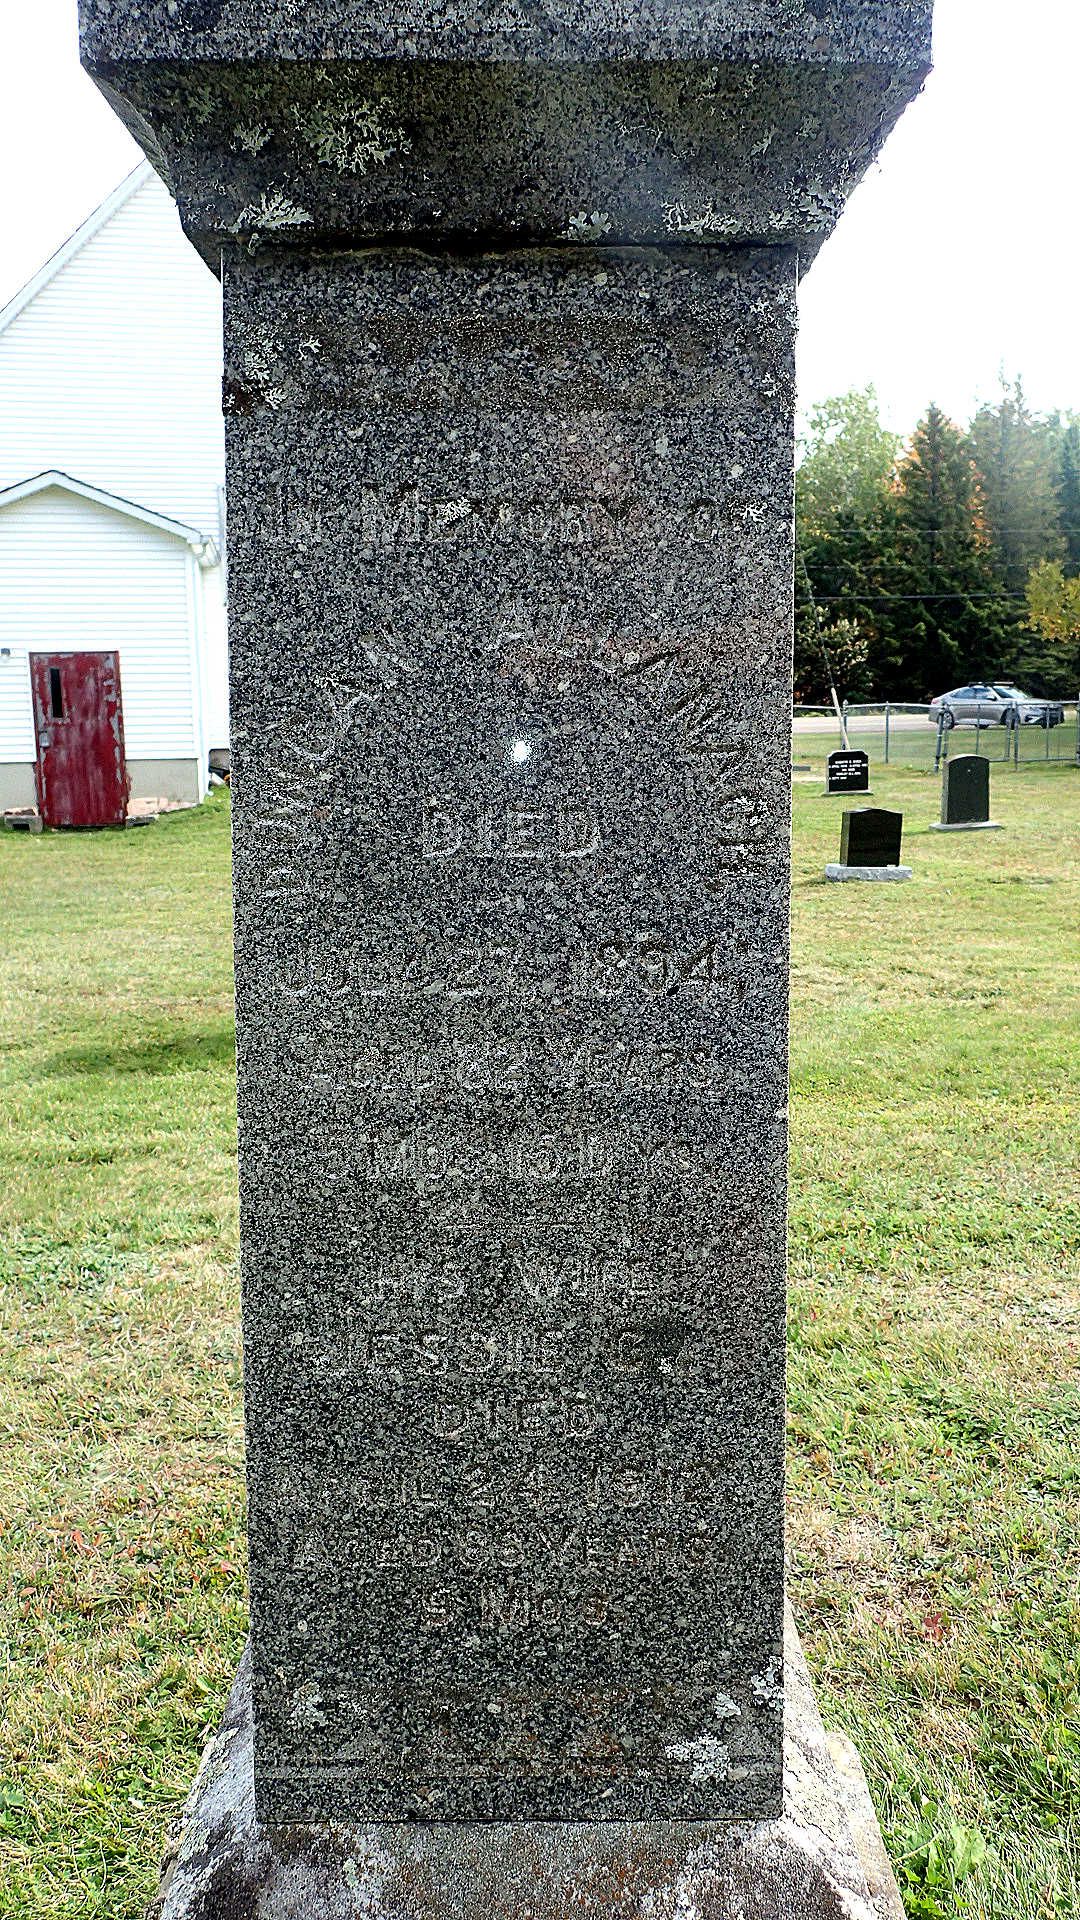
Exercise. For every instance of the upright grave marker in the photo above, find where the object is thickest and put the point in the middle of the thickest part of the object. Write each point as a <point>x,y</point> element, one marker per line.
<point>848,772</point>
<point>511,406</point>
<point>965,796</point>
<point>870,843</point>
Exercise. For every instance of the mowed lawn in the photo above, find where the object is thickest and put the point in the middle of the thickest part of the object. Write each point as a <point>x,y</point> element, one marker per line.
<point>935,1343</point>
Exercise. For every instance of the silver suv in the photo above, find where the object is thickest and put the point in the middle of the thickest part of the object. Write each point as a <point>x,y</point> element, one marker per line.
<point>994,704</point>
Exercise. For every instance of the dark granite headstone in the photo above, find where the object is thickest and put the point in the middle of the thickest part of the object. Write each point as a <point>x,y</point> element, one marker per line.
<point>511,399</point>
<point>511,951</point>
<point>965,791</point>
<point>871,837</point>
<point>849,772</point>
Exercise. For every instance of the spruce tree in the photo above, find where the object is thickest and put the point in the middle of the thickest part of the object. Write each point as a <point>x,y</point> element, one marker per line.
<point>942,612</point>
<point>1068,491</point>
<point>1017,456</point>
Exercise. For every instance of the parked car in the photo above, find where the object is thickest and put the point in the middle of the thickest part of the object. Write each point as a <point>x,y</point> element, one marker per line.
<point>994,704</point>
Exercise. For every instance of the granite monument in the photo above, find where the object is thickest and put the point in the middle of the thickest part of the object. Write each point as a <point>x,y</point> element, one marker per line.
<point>870,843</point>
<point>965,796</point>
<point>510,304</point>
<point>848,772</point>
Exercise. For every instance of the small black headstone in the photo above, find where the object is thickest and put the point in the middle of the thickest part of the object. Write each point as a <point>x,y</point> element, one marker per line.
<point>965,791</point>
<point>849,772</point>
<point>870,837</point>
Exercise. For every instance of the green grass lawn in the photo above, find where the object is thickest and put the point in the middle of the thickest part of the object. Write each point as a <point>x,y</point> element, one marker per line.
<point>935,1322</point>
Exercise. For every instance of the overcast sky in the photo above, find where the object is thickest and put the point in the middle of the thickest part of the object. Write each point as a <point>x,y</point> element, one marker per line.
<point>959,256</point>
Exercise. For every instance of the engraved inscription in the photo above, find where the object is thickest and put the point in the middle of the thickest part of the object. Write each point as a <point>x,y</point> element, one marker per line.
<point>501,972</point>
<point>511,837</point>
<point>408,518</point>
<point>507,833</point>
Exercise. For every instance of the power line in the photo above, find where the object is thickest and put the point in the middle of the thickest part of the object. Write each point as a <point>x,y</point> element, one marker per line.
<point>861,533</point>
<point>882,599</point>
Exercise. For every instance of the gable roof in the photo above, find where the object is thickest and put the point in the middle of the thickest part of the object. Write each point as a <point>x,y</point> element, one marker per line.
<point>76,242</point>
<point>204,549</point>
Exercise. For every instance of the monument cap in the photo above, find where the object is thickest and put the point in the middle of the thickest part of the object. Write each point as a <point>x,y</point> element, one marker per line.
<point>737,122</point>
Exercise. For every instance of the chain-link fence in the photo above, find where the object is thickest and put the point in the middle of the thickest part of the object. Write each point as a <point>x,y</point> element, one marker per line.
<point>901,735</point>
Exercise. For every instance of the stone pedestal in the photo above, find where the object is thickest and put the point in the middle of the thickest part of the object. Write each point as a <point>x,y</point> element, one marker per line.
<point>510,317</point>
<point>840,870</point>
<point>820,1858</point>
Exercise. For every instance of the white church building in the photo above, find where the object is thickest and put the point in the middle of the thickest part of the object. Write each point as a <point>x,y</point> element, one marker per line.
<point>112,474</point>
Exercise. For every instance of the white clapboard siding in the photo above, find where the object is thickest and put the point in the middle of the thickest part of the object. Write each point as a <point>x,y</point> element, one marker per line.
<point>111,372</point>
<point>79,577</point>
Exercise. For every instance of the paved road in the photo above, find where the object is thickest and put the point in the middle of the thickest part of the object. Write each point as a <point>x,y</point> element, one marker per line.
<point>863,723</point>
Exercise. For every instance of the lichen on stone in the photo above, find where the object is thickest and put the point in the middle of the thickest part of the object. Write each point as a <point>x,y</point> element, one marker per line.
<point>705,219</point>
<point>588,226</point>
<point>272,213</point>
<point>252,139</point>
<point>350,135</point>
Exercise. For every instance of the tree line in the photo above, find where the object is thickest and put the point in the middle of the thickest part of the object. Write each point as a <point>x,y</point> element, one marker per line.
<point>952,557</point>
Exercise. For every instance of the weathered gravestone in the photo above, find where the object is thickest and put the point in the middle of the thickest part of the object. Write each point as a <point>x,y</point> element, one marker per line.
<point>848,772</point>
<point>870,843</point>
<point>965,796</point>
<point>510,404</point>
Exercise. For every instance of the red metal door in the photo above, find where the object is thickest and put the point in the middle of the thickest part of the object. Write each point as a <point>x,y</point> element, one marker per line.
<point>79,723</point>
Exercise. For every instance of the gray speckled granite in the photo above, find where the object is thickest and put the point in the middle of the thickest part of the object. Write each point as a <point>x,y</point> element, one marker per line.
<point>510,548</point>
<point>732,122</point>
<point>858,32</point>
<point>821,1858</point>
<point>510,553</point>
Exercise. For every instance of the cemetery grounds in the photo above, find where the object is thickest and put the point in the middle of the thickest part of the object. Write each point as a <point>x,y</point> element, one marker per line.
<point>934,1364</point>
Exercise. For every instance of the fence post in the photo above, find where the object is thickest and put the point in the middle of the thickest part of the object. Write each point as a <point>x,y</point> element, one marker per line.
<point>1016,740</point>
<point>1078,729</point>
<point>886,733</point>
<point>942,750</point>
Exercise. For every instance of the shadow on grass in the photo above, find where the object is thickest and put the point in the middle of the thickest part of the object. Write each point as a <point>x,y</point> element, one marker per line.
<point>188,1052</point>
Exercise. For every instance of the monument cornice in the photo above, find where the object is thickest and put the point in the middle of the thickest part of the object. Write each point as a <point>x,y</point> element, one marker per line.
<point>729,125</point>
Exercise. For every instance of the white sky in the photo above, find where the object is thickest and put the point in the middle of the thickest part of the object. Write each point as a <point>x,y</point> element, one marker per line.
<point>958,257</point>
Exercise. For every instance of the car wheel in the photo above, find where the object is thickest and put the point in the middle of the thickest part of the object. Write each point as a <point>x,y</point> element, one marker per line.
<point>948,719</point>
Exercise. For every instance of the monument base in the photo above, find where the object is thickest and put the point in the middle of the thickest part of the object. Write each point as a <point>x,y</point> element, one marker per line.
<point>967,826</point>
<point>838,872</point>
<point>821,1859</point>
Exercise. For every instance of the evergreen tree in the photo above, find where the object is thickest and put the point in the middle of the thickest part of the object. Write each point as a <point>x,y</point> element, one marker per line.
<point>943,615</point>
<point>1017,455</point>
<point>1068,490</point>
